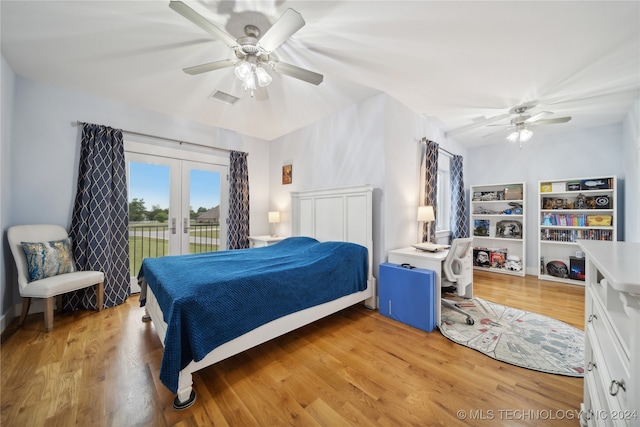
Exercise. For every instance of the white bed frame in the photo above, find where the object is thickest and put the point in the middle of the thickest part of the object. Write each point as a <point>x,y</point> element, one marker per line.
<point>339,214</point>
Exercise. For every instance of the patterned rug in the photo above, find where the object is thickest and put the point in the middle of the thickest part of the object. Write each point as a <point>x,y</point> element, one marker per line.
<point>517,337</point>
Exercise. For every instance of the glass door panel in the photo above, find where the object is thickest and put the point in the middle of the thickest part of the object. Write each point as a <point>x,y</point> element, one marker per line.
<point>154,198</point>
<point>176,206</point>
<point>202,186</point>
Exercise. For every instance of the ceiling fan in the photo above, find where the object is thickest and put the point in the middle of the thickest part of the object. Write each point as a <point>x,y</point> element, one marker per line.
<point>253,51</point>
<point>520,126</point>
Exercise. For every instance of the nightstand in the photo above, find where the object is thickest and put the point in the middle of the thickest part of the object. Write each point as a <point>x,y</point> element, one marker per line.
<point>259,241</point>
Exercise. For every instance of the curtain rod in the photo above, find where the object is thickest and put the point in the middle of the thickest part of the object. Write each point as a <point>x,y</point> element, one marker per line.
<point>79,123</point>
<point>439,148</point>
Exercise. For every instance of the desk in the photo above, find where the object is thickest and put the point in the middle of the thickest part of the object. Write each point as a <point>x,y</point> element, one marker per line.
<point>430,261</point>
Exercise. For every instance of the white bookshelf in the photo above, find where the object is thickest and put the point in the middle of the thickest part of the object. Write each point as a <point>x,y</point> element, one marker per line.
<point>570,210</point>
<point>498,223</point>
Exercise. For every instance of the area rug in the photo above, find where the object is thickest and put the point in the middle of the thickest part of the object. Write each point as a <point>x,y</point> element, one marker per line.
<point>517,337</point>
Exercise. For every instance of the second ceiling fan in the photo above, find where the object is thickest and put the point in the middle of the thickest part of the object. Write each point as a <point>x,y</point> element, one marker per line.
<point>520,126</point>
<point>252,51</point>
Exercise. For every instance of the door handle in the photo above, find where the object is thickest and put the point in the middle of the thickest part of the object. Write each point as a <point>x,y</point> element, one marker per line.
<point>173,226</point>
<point>185,222</point>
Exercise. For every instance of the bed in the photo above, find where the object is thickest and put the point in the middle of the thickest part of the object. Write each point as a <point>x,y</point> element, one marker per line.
<point>324,223</point>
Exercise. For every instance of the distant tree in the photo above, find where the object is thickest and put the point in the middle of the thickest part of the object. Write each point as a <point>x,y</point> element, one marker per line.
<point>137,210</point>
<point>158,214</point>
<point>194,215</point>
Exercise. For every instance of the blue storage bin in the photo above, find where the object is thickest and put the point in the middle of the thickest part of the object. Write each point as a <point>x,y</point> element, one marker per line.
<point>408,295</point>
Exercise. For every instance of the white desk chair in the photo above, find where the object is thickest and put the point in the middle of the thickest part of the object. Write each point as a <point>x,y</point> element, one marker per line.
<point>457,272</point>
<point>53,286</point>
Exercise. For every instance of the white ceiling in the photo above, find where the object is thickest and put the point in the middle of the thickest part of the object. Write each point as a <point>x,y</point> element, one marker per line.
<point>457,62</point>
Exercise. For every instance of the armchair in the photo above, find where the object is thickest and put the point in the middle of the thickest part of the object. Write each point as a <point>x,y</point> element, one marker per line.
<point>55,285</point>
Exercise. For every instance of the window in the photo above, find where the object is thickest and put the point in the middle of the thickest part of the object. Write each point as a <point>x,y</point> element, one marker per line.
<point>444,194</point>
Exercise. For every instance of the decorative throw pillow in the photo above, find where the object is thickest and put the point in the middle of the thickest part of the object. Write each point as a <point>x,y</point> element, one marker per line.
<point>46,259</point>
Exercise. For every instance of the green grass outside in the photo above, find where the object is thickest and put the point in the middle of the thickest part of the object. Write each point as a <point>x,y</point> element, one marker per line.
<point>153,248</point>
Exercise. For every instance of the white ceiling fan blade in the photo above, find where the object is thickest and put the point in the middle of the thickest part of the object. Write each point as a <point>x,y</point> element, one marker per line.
<point>287,25</point>
<point>203,23</point>
<point>551,121</point>
<point>210,66</point>
<point>537,116</point>
<point>497,132</point>
<point>487,122</point>
<point>298,73</point>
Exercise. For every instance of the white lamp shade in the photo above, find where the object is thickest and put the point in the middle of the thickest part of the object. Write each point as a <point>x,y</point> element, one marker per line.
<point>426,214</point>
<point>274,217</point>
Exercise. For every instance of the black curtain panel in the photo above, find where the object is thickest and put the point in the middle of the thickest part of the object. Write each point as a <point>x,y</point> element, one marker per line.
<point>100,221</point>
<point>238,222</point>
<point>431,189</point>
<point>458,217</point>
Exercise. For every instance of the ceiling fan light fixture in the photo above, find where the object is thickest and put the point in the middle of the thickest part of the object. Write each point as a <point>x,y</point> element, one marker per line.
<point>243,70</point>
<point>521,134</point>
<point>525,135</point>
<point>513,136</point>
<point>263,77</point>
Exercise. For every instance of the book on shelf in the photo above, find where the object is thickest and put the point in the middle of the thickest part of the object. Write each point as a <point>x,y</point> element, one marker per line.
<point>498,257</point>
<point>572,236</point>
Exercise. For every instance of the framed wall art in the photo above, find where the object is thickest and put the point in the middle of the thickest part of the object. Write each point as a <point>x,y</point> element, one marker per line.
<point>287,176</point>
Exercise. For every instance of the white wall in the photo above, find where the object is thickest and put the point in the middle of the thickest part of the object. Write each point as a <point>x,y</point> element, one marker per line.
<point>375,142</point>
<point>589,153</point>
<point>403,156</point>
<point>631,156</point>
<point>44,151</point>
<point>6,114</point>
<point>342,150</point>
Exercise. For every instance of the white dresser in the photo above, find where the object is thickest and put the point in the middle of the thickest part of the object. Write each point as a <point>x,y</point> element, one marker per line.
<point>612,334</point>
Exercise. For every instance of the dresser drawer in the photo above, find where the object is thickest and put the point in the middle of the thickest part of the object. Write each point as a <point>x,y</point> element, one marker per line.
<point>614,370</point>
<point>596,404</point>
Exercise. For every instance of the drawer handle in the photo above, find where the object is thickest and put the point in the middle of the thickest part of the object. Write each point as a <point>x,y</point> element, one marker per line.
<point>588,415</point>
<point>591,318</point>
<point>591,366</point>
<point>615,387</point>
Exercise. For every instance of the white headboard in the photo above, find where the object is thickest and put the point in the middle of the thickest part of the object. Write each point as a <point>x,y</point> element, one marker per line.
<point>335,214</point>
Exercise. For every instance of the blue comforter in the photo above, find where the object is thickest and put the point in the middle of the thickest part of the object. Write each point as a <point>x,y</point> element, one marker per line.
<point>211,298</point>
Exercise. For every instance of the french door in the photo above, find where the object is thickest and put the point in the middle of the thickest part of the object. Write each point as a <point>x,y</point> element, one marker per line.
<point>177,203</point>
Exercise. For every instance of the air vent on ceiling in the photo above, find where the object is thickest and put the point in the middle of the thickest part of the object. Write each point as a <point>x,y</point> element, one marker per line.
<point>224,97</point>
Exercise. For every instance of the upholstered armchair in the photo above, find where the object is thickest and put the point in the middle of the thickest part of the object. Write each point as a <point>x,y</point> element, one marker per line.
<point>44,260</point>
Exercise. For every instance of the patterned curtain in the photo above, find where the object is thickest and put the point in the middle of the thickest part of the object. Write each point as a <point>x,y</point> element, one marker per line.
<point>238,222</point>
<point>100,221</point>
<point>431,188</point>
<point>458,217</point>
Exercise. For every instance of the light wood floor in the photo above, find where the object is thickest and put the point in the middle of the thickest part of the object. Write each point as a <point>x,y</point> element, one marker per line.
<point>353,368</point>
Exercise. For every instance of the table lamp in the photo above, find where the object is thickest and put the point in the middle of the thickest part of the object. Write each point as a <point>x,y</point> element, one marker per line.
<point>426,214</point>
<point>274,217</point>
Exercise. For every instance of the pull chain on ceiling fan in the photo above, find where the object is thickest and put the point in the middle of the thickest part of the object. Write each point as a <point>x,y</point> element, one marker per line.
<point>252,51</point>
